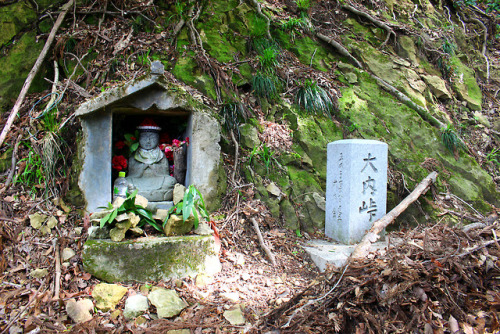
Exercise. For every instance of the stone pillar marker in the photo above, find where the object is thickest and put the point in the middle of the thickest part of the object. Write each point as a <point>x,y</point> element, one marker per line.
<point>356,188</point>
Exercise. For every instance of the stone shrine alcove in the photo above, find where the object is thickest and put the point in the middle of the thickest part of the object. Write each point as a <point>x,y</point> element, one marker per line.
<point>106,118</point>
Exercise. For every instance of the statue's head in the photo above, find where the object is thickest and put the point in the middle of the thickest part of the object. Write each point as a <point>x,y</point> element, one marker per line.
<point>149,136</point>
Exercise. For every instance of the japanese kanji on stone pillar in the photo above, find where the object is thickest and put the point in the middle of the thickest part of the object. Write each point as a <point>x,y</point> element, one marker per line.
<point>356,188</point>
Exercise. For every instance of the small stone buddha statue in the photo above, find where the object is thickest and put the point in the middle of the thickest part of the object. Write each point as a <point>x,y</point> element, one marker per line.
<point>148,169</point>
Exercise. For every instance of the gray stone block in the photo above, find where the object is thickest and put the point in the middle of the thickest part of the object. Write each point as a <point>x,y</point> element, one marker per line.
<point>356,189</point>
<point>151,259</point>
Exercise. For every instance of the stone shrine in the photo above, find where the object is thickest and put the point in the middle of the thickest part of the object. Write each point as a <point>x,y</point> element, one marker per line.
<point>121,109</point>
<point>356,189</point>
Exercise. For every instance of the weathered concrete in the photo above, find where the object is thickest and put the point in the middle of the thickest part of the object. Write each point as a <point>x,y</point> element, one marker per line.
<point>324,253</point>
<point>151,259</point>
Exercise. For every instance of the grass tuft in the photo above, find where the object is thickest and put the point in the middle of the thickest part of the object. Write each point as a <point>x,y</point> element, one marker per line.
<point>265,85</point>
<point>451,140</point>
<point>314,99</point>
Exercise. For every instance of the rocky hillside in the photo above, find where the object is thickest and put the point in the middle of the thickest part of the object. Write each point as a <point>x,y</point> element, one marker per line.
<point>286,78</point>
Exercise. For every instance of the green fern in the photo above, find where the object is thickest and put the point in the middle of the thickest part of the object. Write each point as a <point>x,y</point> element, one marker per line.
<point>314,99</point>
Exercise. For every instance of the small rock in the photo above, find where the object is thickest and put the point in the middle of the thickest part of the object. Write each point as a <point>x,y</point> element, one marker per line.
<point>240,259</point>
<point>117,202</point>
<point>167,302</point>
<point>135,306</point>
<point>45,229</point>
<point>481,118</point>
<point>249,136</point>
<point>39,273</point>
<point>36,220</point>
<point>235,316</point>
<point>15,330</point>
<point>231,296</point>
<point>202,280</point>
<point>160,214</point>
<point>175,225</point>
<point>79,311</point>
<point>67,253</point>
<point>108,295</point>
<point>115,314</point>
<point>179,191</point>
<point>52,222</point>
<point>78,230</point>
<point>141,201</point>
<point>141,320</point>
<point>273,189</point>
<point>351,78</point>
<point>179,331</point>
<point>117,234</point>
<point>137,231</point>
<point>122,217</point>
<point>203,229</point>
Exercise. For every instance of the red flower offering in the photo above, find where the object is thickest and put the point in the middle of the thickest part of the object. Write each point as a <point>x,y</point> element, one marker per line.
<point>119,162</point>
<point>176,143</point>
<point>120,144</point>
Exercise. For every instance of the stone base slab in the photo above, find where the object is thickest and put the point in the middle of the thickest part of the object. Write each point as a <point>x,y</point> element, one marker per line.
<point>151,258</point>
<point>324,253</point>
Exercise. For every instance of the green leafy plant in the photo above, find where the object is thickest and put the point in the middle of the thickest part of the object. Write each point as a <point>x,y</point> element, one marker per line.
<point>130,206</point>
<point>353,127</point>
<point>266,155</point>
<point>268,59</point>
<point>32,176</point>
<point>449,47</point>
<point>261,43</point>
<point>450,139</point>
<point>303,5</point>
<point>192,204</point>
<point>494,156</point>
<point>314,99</point>
<point>258,26</point>
<point>293,23</point>
<point>265,85</point>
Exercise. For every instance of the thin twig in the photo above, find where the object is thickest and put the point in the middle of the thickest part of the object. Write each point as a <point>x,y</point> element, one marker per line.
<point>236,153</point>
<point>266,249</point>
<point>57,276</point>
<point>310,302</point>
<point>33,72</point>
<point>13,165</point>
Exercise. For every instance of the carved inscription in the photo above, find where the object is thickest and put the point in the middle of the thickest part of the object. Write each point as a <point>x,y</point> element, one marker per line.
<point>369,206</point>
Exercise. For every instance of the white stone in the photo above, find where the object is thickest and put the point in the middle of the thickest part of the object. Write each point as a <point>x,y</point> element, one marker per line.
<point>79,311</point>
<point>67,253</point>
<point>356,188</point>
<point>167,302</point>
<point>135,306</point>
<point>179,191</point>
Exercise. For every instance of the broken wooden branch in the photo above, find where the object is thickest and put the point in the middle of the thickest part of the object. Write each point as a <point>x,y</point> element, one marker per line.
<point>266,249</point>
<point>373,234</point>
<point>34,71</point>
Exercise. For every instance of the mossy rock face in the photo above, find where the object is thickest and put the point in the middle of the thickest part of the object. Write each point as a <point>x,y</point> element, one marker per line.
<point>187,71</point>
<point>13,19</point>
<point>380,116</point>
<point>313,135</point>
<point>150,259</point>
<point>465,85</point>
<point>14,68</point>
<point>306,50</point>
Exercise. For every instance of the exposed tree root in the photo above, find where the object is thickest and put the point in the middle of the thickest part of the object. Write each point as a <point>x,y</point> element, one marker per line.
<point>483,49</point>
<point>389,88</point>
<point>370,18</point>
<point>340,49</point>
<point>266,249</point>
<point>256,4</point>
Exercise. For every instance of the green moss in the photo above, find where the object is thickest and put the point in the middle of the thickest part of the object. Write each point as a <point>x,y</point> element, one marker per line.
<point>13,19</point>
<point>465,85</point>
<point>15,66</point>
<point>187,71</point>
<point>380,116</point>
<point>306,49</point>
<point>158,258</point>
